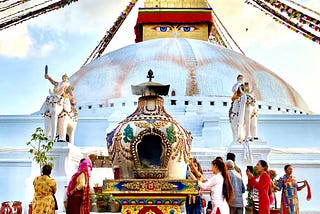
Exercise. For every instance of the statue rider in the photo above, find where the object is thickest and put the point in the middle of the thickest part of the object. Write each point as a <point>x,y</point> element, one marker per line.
<point>64,87</point>
<point>236,92</point>
<point>235,87</point>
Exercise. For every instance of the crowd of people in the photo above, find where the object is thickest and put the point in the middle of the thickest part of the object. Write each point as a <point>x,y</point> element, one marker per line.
<point>226,189</point>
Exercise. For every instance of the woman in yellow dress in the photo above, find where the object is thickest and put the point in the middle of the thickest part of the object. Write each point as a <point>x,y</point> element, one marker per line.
<point>44,188</point>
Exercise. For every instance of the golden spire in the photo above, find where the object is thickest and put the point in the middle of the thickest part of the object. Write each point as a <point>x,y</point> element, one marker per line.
<point>176,3</point>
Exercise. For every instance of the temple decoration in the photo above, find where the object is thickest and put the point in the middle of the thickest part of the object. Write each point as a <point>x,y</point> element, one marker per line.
<point>195,15</point>
<point>151,151</point>
<point>26,14</point>
<point>290,17</point>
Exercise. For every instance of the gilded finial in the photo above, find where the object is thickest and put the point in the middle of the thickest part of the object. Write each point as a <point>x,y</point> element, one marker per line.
<point>150,75</point>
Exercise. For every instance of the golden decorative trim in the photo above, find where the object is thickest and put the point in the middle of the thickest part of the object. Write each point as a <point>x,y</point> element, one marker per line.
<point>151,187</point>
<point>135,209</point>
<point>152,184</point>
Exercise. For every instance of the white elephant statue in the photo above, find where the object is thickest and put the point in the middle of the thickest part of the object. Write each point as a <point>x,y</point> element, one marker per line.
<point>60,118</point>
<point>243,116</point>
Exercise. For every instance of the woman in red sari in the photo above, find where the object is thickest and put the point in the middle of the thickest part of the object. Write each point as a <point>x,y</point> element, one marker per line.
<point>260,186</point>
<point>78,191</point>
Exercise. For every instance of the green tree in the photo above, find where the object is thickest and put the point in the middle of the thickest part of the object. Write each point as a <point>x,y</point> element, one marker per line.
<point>40,146</point>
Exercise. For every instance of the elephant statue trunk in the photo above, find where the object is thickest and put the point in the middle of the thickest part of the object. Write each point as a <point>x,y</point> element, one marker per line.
<point>54,122</point>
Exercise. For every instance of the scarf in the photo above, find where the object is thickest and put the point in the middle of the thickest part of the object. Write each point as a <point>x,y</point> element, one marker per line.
<point>85,167</point>
<point>309,192</point>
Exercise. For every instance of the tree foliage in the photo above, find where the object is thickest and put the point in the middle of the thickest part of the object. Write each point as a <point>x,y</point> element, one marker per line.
<point>40,146</point>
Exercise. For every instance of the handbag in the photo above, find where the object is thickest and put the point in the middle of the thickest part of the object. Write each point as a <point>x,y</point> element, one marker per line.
<point>203,203</point>
<point>55,202</point>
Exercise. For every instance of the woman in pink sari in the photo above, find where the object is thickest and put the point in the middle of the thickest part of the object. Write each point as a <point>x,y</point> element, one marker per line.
<point>78,191</point>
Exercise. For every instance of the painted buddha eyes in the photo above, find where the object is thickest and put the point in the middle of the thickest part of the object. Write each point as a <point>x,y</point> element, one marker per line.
<point>163,29</point>
<point>169,28</point>
<point>187,29</point>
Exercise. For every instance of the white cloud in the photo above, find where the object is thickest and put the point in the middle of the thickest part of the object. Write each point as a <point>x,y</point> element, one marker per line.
<point>46,49</point>
<point>83,17</point>
<point>15,42</point>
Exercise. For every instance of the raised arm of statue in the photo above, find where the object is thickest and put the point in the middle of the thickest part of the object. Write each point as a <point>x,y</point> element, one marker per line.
<point>46,76</point>
<point>62,87</point>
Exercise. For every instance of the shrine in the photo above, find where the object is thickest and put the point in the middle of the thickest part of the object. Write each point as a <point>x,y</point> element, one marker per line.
<point>151,151</point>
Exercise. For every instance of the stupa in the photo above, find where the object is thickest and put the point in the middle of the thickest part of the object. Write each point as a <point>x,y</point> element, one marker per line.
<point>200,75</point>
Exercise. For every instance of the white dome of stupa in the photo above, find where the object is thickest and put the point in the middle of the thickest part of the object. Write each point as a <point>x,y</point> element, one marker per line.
<point>191,67</point>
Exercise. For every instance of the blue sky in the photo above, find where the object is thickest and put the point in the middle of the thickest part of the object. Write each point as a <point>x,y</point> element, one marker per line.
<point>63,39</point>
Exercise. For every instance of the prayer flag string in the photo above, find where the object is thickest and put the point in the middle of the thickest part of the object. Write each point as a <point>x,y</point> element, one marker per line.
<point>106,39</point>
<point>300,5</point>
<point>295,14</point>
<point>296,27</point>
<point>29,15</point>
<point>17,3</point>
